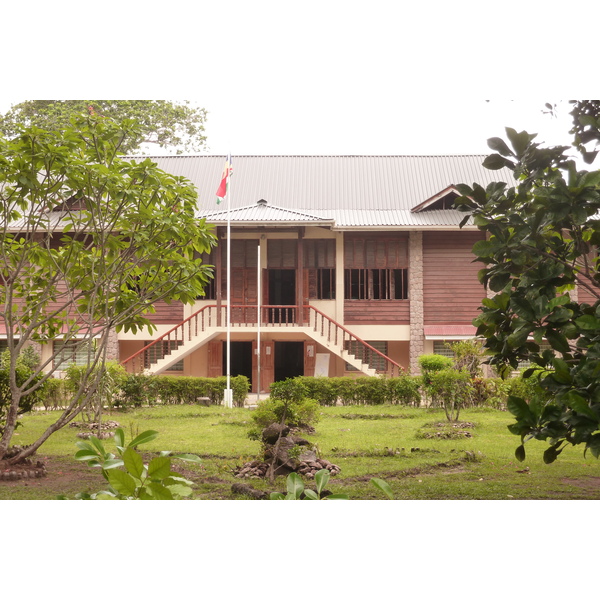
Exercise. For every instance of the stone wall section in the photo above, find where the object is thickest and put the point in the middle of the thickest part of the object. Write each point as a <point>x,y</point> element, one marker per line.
<point>112,346</point>
<point>415,295</point>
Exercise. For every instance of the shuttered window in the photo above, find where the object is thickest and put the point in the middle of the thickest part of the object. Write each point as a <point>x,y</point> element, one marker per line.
<point>319,260</point>
<point>74,352</point>
<point>157,351</point>
<point>376,284</point>
<point>374,360</point>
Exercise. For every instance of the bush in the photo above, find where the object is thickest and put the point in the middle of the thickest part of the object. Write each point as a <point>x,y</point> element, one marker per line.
<point>56,394</point>
<point>302,413</point>
<point>25,361</point>
<point>172,389</point>
<point>452,389</point>
<point>404,390</point>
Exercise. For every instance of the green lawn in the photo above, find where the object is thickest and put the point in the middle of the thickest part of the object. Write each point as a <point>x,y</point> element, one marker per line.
<point>368,441</point>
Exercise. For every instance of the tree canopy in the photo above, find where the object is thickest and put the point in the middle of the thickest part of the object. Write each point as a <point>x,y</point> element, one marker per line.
<point>165,123</point>
<point>542,268</point>
<point>90,242</point>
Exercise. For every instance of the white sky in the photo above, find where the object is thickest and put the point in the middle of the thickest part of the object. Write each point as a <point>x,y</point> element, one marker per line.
<point>319,77</point>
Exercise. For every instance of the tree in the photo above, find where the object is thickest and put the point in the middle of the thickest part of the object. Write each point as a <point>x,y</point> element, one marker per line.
<point>162,122</point>
<point>541,262</point>
<point>90,242</point>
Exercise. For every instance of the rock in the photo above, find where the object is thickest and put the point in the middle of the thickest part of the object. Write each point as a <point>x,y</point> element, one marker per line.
<point>271,433</point>
<point>248,490</point>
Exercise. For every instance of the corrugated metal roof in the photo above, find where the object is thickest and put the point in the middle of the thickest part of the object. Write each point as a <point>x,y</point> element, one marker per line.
<point>354,191</point>
<point>262,212</point>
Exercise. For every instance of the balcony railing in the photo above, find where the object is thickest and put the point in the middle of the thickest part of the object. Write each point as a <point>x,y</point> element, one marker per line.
<point>245,316</point>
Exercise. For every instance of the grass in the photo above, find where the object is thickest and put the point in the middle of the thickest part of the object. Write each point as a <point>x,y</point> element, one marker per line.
<point>365,441</point>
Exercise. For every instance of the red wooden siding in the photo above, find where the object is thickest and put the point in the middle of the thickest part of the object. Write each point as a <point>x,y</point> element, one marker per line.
<point>452,293</point>
<point>167,313</point>
<point>377,312</point>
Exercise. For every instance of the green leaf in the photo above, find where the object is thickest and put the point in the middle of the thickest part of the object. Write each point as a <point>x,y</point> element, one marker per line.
<point>551,453</point>
<point>295,487</point>
<point>499,145</point>
<point>310,495</point>
<point>159,491</point>
<point>276,496</point>
<point>122,482</point>
<point>86,455</point>
<point>494,162</point>
<point>119,438</point>
<point>337,497</point>
<point>520,453</point>
<point>588,322</point>
<point>321,479</point>
<point>133,462</point>
<point>180,490</point>
<point>112,463</point>
<point>557,340</point>
<point>188,457</point>
<point>383,486</point>
<point>143,438</point>
<point>159,467</point>
<point>518,407</point>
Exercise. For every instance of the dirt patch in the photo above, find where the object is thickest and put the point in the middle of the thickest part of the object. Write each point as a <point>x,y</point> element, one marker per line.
<point>588,484</point>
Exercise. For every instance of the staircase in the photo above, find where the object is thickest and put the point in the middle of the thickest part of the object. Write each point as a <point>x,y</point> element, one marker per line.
<point>210,321</point>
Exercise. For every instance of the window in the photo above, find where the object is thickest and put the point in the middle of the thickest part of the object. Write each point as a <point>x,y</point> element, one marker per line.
<point>210,288</point>
<point>374,360</point>
<point>159,350</point>
<point>439,347</point>
<point>376,284</point>
<point>78,352</point>
<point>319,262</point>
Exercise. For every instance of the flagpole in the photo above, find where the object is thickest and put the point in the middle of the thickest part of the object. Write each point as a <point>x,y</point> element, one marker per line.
<point>228,400</point>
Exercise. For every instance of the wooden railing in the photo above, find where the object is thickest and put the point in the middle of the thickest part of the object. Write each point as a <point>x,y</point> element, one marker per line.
<point>245,315</point>
<point>337,334</point>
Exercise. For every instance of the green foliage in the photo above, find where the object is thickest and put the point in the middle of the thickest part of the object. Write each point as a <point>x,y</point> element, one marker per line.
<point>434,362</point>
<point>175,389</point>
<point>163,122</point>
<point>304,412</point>
<point>452,389</point>
<point>382,486</point>
<point>128,476</point>
<point>542,240</point>
<point>468,354</point>
<point>24,372</point>
<point>297,491</point>
<point>403,389</point>
<point>101,386</point>
<point>92,241</point>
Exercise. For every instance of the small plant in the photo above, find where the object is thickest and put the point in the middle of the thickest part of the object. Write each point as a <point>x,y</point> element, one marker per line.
<point>297,491</point>
<point>128,476</point>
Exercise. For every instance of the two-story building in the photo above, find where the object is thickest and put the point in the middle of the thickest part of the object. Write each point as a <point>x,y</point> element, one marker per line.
<point>339,265</point>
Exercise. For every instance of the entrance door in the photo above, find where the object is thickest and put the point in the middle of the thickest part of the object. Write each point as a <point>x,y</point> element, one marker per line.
<point>289,360</point>
<point>241,359</point>
<point>282,292</point>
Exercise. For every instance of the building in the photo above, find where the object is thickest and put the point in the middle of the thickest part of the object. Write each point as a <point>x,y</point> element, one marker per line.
<point>356,264</point>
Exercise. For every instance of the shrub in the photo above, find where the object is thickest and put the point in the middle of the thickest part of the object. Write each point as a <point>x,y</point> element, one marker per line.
<point>370,390</point>
<point>56,394</point>
<point>25,361</point>
<point>404,390</point>
<point>452,388</point>
<point>304,412</point>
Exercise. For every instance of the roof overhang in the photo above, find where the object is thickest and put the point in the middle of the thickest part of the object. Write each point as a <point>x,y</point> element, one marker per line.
<point>449,332</point>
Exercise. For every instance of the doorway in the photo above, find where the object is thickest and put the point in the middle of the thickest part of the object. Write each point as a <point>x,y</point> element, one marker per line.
<point>282,292</point>
<point>241,359</point>
<point>289,360</point>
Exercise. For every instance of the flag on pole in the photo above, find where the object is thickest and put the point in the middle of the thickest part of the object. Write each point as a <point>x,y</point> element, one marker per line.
<point>227,171</point>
